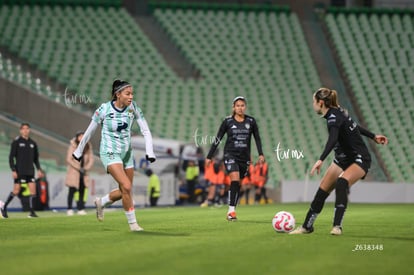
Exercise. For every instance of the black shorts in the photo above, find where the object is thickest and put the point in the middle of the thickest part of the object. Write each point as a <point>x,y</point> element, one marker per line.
<point>233,164</point>
<point>344,162</point>
<point>24,179</point>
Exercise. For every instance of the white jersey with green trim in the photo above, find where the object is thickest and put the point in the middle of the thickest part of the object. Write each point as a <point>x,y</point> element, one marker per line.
<point>116,129</point>
<point>116,126</point>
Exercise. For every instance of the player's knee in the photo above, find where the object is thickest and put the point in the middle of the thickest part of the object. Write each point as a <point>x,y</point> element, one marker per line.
<point>342,185</point>
<point>126,188</point>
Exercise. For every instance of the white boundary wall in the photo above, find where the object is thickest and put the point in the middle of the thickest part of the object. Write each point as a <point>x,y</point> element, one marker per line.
<point>361,192</point>
<point>101,185</point>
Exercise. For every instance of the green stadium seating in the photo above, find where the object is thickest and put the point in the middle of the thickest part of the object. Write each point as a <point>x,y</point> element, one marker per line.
<point>260,53</point>
<point>376,53</point>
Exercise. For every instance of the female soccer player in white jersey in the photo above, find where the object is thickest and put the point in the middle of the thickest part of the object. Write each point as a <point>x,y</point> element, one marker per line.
<point>351,163</point>
<point>239,129</point>
<point>116,118</point>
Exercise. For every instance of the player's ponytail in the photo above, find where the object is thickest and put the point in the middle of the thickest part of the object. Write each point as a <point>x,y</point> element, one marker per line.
<point>117,86</point>
<point>328,96</point>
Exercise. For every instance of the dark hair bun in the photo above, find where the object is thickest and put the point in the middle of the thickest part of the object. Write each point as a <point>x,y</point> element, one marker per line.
<point>118,85</point>
<point>115,85</point>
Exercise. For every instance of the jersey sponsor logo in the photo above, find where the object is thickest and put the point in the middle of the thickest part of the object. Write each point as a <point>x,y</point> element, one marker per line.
<point>229,161</point>
<point>353,126</point>
<point>122,126</point>
<point>111,155</point>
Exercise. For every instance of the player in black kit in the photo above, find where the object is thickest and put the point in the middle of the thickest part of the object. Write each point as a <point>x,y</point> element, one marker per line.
<point>351,163</point>
<point>23,155</point>
<point>239,128</point>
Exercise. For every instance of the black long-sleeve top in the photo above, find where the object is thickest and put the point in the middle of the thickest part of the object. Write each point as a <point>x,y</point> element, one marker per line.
<point>23,154</point>
<point>345,135</point>
<point>238,138</point>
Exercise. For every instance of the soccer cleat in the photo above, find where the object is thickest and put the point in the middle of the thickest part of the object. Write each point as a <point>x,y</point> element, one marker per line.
<point>218,204</point>
<point>336,230</point>
<point>99,209</point>
<point>4,213</point>
<point>301,230</point>
<point>82,212</point>
<point>135,227</point>
<point>69,212</point>
<point>33,215</point>
<point>204,204</point>
<point>231,217</point>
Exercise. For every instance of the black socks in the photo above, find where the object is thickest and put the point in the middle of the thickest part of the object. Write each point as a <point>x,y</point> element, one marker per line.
<point>341,201</point>
<point>234,192</point>
<point>315,208</point>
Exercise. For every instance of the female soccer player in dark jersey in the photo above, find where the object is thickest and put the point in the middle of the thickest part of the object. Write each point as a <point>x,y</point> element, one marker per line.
<point>351,163</point>
<point>239,128</point>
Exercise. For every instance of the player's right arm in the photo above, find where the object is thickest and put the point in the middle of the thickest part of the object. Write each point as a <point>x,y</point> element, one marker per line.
<point>97,118</point>
<point>222,130</point>
<point>12,156</point>
<point>77,154</point>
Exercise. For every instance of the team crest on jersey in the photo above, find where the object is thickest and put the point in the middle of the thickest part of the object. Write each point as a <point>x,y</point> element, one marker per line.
<point>247,125</point>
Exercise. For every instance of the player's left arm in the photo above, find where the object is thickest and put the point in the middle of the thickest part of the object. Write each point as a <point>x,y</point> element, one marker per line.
<point>36,161</point>
<point>145,131</point>
<point>258,142</point>
<point>379,139</point>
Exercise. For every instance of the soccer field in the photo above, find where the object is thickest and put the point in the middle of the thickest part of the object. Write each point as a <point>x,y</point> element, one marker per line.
<point>377,239</point>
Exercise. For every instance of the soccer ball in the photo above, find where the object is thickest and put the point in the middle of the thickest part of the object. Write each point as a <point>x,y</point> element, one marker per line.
<point>283,222</point>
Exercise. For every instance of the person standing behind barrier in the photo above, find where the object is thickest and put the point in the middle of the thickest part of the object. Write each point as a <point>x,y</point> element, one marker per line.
<point>239,128</point>
<point>191,174</point>
<point>116,118</point>
<point>216,183</point>
<point>246,184</point>
<point>77,178</point>
<point>23,154</point>
<point>260,176</point>
<point>154,187</point>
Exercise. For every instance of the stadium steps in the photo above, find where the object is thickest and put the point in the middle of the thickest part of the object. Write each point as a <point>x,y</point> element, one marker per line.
<point>171,55</point>
<point>190,104</point>
<point>375,51</point>
<point>209,38</point>
<point>52,148</point>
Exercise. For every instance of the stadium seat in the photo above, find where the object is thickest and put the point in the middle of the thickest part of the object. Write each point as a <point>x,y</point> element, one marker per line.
<point>380,51</point>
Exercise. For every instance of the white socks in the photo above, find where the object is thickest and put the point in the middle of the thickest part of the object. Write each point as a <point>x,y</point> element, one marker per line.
<point>130,214</point>
<point>231,209</point>
<point>106,201</point>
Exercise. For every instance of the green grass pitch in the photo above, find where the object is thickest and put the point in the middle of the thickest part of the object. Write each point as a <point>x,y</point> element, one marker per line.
<point>377,239</point>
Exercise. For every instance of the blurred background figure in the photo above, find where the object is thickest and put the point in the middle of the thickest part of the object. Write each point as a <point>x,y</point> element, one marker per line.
<point>246,184</point>
<point>260,177</point>
<point>191,175</point>
<point>154,187</point>
<point>77,178</point>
